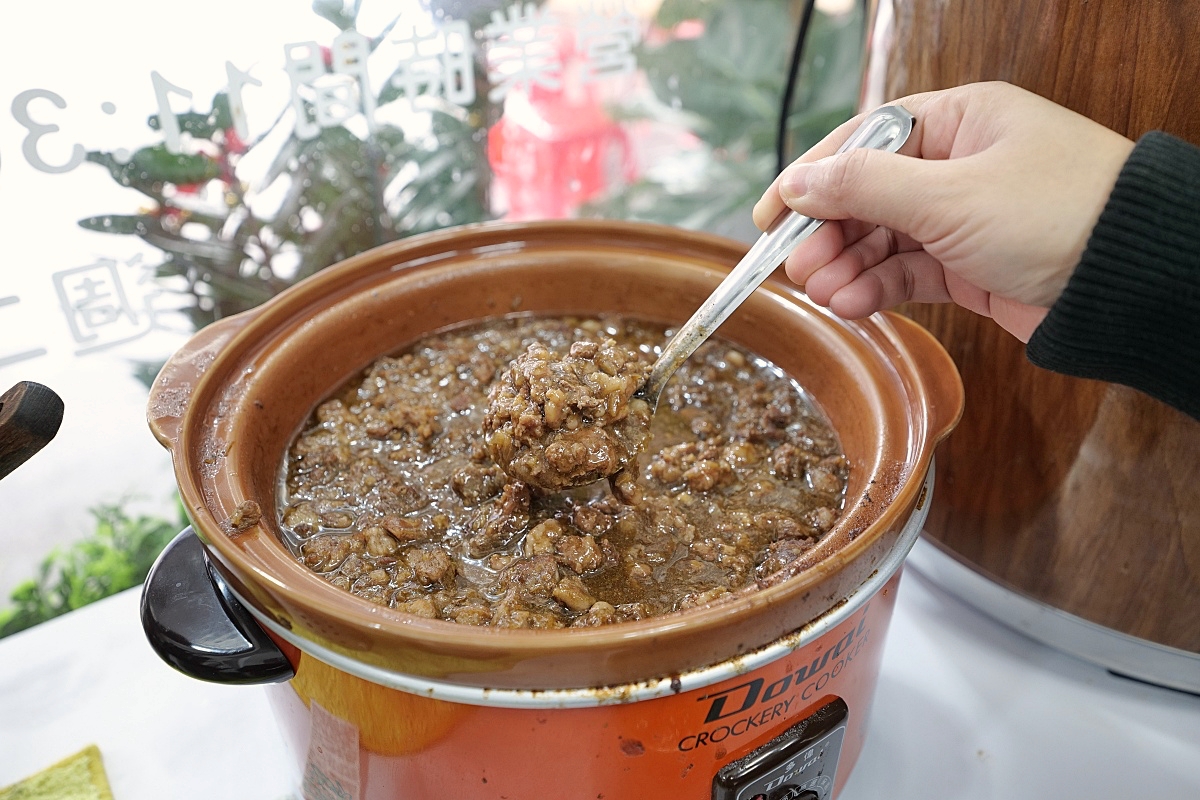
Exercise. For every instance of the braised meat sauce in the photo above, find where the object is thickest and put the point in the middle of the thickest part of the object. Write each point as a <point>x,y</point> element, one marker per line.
<point>393,492</point>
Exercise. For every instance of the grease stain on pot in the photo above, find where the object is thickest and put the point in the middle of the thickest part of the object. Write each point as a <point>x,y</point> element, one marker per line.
<point>632,747</point>
<point>171,402</point>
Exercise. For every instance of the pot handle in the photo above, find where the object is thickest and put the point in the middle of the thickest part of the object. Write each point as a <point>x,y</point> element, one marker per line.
<point>196,625</point>
<point>172,389</point>
<point>938,374</point>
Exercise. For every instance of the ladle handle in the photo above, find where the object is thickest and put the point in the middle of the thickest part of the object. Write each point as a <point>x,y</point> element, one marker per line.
<point>30,416</point>
<point>886,128</point>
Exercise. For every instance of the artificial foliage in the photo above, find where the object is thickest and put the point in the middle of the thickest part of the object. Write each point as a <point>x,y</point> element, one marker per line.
<point>223,257</point>
<point>726,87</point>
<point>116,556</point>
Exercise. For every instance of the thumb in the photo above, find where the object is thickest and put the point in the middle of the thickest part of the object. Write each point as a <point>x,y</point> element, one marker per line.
<point>898,192</point>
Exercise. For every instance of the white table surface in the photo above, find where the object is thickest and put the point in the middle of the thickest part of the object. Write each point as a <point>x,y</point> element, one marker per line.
<point>965,709</point>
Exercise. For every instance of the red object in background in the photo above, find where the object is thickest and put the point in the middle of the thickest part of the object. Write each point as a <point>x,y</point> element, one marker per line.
<point>554,150</point>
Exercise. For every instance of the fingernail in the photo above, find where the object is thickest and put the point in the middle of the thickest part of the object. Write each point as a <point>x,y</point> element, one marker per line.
<point>794,181</point>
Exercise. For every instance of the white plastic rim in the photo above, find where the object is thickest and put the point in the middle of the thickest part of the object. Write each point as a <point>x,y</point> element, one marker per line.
<point>628,693</point>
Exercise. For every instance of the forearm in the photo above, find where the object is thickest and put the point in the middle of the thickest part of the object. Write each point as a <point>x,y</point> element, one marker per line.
<point>1130,313</point>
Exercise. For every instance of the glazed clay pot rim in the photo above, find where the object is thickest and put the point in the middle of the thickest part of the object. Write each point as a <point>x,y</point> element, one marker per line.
<point>304,588</point>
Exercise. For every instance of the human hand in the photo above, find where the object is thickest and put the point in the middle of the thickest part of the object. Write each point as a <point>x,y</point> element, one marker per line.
<point>989,205</point>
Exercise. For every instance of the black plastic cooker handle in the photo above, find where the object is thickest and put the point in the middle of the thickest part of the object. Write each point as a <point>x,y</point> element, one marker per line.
<point>196,625</point>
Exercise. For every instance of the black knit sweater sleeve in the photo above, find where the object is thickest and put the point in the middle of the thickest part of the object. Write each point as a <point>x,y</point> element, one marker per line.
<point>1131,311</point>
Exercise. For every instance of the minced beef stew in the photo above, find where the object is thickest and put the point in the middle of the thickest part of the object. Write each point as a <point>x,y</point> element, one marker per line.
<point>392,492</point>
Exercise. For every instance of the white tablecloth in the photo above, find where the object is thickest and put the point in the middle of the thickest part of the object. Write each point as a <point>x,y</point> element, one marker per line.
<point>965,709</point>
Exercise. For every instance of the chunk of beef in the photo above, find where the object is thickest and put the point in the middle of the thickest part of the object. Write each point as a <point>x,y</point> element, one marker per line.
<point>431,565</point>
<point>497,524</point>
<point>580,553</point>
<point>475,483</point>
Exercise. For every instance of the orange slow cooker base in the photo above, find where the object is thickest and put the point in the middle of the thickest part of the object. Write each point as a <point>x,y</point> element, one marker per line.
<point>358,740</point>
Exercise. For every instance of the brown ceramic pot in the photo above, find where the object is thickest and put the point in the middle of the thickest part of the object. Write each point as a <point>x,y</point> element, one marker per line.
<point>228,404</point>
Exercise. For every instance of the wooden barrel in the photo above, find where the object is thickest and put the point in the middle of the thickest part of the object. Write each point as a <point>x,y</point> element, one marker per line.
<point>1081,494</point>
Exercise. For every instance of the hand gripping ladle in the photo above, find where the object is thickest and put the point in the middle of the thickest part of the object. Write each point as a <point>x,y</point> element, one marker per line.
<point>886,128</point>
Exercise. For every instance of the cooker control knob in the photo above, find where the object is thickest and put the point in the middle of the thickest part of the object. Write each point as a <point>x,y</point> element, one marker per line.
<point>795,793</point>
<point>798,764</point>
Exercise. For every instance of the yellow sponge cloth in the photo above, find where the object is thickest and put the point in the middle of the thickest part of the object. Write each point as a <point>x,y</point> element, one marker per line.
<point>79,777</point>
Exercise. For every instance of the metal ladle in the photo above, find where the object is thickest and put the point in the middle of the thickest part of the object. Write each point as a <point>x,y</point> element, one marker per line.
<point>886,128</point>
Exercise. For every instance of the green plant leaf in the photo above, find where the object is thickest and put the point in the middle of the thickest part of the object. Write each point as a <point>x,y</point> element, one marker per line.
<point>159,164</point>
<point>732,77</point>
<point>220,117</point>
<point>147,371</point>
<point>201,126</point>
<point>673,12</point>
<point>211,249</point>
<point>726,87</point>
<point>125,224</point>
<point>152,167</point>
<point>335,12</point>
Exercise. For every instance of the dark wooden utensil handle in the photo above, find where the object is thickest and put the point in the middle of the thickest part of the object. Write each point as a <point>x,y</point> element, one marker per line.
<point>30,415</point>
